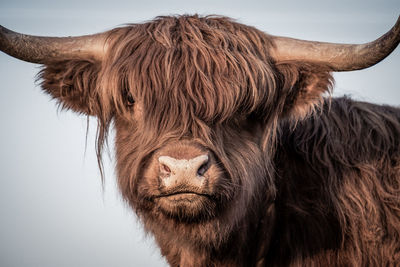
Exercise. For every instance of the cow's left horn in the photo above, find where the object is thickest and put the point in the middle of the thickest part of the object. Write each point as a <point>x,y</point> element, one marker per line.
<point>340,57</point>
<point>38,49</point>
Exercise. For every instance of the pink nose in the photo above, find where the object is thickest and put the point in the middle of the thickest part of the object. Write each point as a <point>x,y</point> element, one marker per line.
<point>176,171</point>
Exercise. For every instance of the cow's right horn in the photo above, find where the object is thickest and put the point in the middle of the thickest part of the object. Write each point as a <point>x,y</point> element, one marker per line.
<point>340,57</point>
<point>38,49</point>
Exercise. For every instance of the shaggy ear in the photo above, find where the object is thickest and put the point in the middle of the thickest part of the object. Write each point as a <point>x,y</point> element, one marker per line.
<point>303,87</point>
<point>73,83</point>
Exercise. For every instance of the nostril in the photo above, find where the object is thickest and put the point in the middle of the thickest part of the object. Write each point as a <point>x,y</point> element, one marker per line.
<point>203,168</point>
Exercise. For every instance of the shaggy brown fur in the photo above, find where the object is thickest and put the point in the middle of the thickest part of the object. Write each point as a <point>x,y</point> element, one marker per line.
<point>291,188</point>
<point>339,190</point>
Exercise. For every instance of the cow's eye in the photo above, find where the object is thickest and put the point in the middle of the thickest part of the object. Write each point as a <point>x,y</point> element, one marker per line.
<point>129,99</point>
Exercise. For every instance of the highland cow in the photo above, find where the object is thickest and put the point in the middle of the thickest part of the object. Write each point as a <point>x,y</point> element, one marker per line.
<point>229,146</point>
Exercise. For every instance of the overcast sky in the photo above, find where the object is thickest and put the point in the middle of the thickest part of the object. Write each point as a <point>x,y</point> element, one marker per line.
<point>53,211</point>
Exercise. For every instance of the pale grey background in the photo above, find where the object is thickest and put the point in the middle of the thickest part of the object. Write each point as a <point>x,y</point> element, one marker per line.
<point>53,211</point>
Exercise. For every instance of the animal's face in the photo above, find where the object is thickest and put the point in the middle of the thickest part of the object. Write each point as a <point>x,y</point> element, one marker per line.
<point>189,174</point>
<point>182,169</point>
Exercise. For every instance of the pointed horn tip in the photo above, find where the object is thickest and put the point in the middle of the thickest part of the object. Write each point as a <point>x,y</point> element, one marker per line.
<point>397,25</point>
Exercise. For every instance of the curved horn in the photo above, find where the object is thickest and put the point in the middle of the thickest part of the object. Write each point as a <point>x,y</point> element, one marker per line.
<point>340,57</point>
<point>37,49</point>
